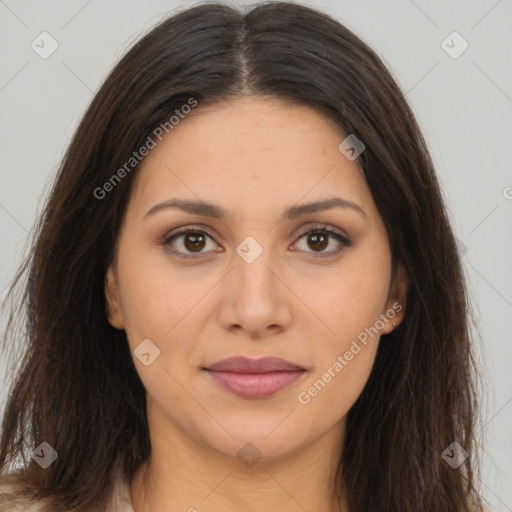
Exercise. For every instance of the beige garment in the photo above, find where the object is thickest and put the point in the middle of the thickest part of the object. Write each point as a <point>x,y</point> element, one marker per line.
<point>120,502</point>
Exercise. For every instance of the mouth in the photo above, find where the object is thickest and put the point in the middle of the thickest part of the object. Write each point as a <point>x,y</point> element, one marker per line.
<point>254,378</point>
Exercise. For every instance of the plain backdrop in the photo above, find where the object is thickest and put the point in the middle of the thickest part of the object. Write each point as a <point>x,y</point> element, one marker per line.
<point>462,100</point>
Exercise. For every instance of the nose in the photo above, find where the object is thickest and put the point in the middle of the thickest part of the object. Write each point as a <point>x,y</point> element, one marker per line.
<point>256,300</point>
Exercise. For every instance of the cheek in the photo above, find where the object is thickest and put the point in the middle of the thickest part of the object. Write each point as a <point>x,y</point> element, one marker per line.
<point>352,299</point>
<point>329,394</point>
<point>346,353</point>
<point>159,304</point>
<point>162,309</point>
<point>344,360</point>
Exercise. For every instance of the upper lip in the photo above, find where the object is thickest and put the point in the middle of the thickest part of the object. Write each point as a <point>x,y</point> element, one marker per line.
<point>247,365</point>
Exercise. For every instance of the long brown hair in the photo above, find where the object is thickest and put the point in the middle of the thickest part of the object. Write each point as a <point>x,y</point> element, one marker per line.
<point>76,386</point>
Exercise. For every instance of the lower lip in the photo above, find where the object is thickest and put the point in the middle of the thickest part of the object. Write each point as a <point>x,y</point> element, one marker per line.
<point>256,385</point>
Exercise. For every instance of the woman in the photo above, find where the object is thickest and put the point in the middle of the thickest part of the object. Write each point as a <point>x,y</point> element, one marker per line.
<point>245,290</point>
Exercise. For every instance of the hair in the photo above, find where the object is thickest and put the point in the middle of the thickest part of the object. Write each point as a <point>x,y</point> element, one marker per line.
<point>76,386</point>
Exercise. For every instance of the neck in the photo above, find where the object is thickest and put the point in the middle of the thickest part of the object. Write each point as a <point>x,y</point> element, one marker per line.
<point>184,475</point>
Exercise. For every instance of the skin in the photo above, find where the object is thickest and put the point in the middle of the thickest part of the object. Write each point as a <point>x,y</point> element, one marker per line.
<point>255,157</point>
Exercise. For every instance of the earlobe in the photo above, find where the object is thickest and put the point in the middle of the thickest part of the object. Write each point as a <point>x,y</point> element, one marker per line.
<point>113,311</point>
<point>396,304</point>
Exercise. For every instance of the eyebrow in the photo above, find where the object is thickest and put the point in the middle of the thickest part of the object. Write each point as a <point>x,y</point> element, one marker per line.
<point>211,210</point>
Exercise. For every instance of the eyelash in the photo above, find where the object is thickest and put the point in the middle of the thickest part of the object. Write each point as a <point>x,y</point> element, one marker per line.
<point>321,228</point>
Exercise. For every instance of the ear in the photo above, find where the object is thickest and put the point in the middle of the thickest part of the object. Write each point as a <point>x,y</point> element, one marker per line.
<point>113,309</point>
<point>396,303</point>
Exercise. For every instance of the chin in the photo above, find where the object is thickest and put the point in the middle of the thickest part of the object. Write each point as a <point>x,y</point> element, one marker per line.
<point>258,441</point>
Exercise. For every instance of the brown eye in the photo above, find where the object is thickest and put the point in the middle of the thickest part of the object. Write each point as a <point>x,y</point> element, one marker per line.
<point>317,239</point>
<point>194,241</point>
<point>188,242</point>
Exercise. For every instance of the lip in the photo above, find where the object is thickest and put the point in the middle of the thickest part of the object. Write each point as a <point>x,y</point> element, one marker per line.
<point>242,364</point>
<point>255,378</point>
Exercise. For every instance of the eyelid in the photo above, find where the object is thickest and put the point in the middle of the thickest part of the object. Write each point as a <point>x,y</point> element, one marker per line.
<point>318,226</point>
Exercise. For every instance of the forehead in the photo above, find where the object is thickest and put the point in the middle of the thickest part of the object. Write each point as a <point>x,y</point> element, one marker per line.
<point>250,153</point>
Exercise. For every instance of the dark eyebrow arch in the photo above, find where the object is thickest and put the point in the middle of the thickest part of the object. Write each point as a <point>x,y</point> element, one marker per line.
<point>211,210</point>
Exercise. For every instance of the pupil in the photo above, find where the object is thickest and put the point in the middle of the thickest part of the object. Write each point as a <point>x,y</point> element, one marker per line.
<point>316,237</point>
<point>195,240</point>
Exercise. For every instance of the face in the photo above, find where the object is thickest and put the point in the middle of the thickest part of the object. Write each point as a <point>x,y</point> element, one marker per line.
<point>249,280</point>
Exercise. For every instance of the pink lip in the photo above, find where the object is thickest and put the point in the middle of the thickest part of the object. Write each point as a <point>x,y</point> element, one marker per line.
<point>255,378</point>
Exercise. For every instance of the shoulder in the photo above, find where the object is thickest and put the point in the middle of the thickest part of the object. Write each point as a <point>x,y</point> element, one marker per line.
<point>11,499</point>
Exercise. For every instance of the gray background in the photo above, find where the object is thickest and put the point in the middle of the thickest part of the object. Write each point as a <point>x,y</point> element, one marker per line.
<point>463,105</point>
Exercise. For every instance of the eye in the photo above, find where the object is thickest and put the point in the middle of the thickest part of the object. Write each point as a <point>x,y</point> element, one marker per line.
<point>319,238</point>
<point>189,242</point>
<point>190,239</point>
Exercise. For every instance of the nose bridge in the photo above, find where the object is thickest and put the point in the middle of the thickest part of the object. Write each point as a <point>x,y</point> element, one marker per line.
<point>256,297</point>
<point>255,301</point>
<point>254,259</point>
